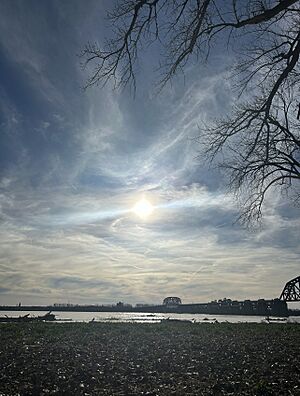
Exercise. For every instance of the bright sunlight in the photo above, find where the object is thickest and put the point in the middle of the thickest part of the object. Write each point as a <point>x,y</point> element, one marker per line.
<point>143,208</point>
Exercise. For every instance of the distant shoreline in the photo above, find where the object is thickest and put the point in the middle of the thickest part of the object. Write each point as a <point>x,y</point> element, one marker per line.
<point>261,307</point>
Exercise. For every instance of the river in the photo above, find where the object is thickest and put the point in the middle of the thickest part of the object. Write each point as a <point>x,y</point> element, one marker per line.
<point>138,317</point>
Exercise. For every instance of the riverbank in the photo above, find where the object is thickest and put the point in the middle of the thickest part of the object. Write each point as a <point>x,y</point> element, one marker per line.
<point>159,359</point>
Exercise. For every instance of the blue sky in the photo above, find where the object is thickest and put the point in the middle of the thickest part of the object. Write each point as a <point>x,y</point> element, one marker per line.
<point>74,163</point>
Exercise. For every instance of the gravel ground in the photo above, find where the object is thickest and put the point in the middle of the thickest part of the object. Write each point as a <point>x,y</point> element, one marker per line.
<point>142,359</point>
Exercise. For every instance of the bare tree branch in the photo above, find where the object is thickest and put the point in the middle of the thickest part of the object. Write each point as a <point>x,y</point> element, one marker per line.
<point>260,139</point>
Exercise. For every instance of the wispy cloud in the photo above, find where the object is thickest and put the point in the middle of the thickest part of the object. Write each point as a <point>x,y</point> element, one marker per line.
<point>75,163</point>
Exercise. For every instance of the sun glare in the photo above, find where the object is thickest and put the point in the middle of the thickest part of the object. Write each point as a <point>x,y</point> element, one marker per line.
<point>143,208</point>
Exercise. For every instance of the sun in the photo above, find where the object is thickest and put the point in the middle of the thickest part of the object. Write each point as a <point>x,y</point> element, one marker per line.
<point>143,208</point>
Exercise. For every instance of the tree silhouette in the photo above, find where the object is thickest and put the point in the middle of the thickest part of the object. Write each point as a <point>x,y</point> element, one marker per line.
<point>260,138</point>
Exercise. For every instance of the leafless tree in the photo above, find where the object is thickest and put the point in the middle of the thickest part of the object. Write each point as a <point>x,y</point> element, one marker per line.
<point>260,138</point>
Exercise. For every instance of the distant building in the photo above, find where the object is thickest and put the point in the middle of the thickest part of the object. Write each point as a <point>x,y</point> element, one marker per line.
<point>67,305</point>
<point>141,305</point>
<point>120,304</point>
<point>172,301</point>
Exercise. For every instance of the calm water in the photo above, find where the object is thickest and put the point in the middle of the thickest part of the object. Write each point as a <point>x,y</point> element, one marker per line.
<point>144,317</point>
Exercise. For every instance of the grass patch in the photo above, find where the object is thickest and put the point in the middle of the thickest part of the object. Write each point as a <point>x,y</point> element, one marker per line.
<point>137,359</point>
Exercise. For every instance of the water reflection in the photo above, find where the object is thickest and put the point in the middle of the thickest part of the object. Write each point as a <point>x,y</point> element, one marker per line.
<point>137,317</point>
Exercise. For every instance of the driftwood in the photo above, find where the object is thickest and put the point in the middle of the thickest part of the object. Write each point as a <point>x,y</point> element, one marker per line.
<point>27,318</point>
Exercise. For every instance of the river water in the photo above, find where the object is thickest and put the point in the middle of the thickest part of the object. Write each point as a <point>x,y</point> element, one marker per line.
<point>137,317</point>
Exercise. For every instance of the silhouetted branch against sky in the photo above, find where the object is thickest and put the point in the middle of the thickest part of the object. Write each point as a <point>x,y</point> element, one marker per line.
<point>260,137</point>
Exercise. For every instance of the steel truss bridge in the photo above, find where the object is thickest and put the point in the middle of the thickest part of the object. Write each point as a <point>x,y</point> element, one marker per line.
<point>291,291</point>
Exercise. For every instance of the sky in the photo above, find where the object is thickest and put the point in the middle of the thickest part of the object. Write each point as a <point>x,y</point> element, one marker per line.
<point>74,163</point>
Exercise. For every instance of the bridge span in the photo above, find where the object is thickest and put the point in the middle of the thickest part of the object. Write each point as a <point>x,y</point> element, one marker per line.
<point>291,290</point>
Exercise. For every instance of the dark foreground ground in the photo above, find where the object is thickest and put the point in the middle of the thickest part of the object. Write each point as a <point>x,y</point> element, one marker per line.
<point>142,359</point>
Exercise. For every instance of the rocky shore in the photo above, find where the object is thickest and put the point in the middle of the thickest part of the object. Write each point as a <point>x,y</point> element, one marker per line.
<point>143,359</point>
